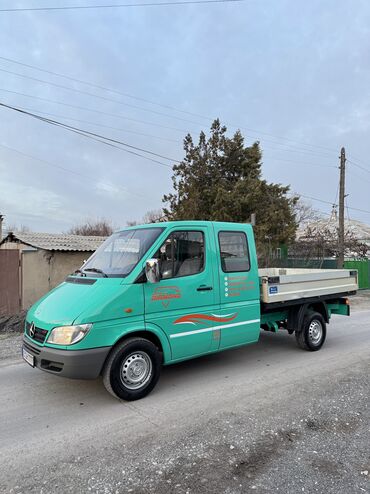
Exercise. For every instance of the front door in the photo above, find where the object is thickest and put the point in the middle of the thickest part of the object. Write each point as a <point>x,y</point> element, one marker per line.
<point>183,302</point>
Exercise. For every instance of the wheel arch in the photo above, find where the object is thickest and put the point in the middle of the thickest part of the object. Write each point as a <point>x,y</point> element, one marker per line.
<point>153,334</point>
<point>322,308</point>
<point>297,314</point>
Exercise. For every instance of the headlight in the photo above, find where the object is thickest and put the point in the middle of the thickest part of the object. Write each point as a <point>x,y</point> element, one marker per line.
<point>68,335</point>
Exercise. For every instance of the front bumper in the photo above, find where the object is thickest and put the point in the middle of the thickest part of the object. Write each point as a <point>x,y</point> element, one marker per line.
<point>75,364</point>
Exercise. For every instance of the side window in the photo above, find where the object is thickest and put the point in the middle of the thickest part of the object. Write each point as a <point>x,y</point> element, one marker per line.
<point>181,254</point>
<point>234,252</point>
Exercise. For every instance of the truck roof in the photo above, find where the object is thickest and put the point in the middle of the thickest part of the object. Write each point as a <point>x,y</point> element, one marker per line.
<point>166,224</point>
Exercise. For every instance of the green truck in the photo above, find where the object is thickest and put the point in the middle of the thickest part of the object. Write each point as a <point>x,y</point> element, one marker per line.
<point>158,294</point>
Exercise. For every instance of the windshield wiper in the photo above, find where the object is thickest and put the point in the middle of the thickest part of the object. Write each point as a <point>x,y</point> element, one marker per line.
<point>78,271</point>
<point>96,270</point>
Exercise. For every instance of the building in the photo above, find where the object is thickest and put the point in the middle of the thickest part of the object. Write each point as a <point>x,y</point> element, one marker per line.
<point>31,264</point>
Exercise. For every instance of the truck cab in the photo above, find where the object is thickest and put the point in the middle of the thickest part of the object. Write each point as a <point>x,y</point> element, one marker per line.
<point>151,295</point>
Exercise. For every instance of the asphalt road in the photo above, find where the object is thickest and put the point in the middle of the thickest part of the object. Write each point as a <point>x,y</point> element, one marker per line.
<point>265,418</point>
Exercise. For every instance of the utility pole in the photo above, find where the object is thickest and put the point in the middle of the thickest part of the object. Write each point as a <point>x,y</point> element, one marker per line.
<point>342,168</point>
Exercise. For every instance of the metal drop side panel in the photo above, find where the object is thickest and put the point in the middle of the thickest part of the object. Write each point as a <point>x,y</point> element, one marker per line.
<point>283,285</point>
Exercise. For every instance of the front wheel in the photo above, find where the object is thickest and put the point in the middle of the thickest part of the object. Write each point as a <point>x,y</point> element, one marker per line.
<point>132,369</point>
<point>312,335</point>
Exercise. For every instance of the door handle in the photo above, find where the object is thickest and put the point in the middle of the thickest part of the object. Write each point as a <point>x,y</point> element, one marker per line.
<point>204,288</point>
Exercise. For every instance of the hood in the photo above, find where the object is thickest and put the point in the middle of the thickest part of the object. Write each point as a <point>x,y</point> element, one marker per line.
<point>62,305</point>
<point>76,303</point>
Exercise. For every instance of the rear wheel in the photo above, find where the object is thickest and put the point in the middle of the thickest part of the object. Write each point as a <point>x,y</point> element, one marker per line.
<point>132,369</point>
<point>312,335</point>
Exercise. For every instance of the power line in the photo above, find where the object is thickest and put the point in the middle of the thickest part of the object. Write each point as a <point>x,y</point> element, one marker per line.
<point>79,91</point>
<point>104,98</point>
<point>74,172</point>
<point>93,135</point>
<point>292,149</point>
<point>112,142</point>
<point>162,138</point>
<point>100,138</point>
<point>115,115</point>
<point>359,166</point>
<point>361,177</point>
<point>97,86</point>
<point>102,125</point>
<point>248,129</point>
<point>116,6</point>
<point>327,202</point>
<point>303,163</point>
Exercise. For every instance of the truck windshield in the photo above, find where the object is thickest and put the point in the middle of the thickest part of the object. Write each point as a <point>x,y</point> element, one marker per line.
<point>120,253</point>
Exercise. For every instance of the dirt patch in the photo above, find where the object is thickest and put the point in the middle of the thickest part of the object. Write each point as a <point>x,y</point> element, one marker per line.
<point>12,324</point>
<point>334,425</point>
<point>263,452</point>
<point>328,467</point>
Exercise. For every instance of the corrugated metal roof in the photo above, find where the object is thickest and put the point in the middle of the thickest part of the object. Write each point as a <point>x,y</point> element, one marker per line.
<point>360,230</point>
<point>56,241</point>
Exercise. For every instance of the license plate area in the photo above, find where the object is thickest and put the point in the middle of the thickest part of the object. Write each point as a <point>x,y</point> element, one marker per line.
<point>28,357</point>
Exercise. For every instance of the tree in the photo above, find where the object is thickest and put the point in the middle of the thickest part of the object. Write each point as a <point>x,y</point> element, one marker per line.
<point>100,228</point>
<point>20,229</point>
<point>152,216</point>
<point>220,179</point>
<point>304,213</point>
<point>319,241</point>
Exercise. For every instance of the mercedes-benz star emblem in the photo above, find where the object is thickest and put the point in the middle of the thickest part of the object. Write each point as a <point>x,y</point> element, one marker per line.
<point>32,330</point>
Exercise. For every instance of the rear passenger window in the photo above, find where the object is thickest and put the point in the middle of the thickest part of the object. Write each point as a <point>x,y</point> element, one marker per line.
<point>234,251</point>
<point>182,254</point>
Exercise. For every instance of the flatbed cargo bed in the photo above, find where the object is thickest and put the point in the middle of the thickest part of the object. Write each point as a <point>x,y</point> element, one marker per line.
<point>290,284</point>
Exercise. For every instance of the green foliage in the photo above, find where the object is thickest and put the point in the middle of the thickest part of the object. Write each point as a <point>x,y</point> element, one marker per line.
<point>220,179</point>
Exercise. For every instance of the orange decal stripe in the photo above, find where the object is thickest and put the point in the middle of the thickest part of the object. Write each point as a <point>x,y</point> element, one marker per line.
<point>200,318</point>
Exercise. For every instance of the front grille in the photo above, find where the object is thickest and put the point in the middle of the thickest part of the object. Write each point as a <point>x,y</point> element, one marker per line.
<point>39,334</point>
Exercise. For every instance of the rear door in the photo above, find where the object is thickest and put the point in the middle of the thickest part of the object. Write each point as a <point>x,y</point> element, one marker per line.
<point>238,285</point>
<point>183,302</point>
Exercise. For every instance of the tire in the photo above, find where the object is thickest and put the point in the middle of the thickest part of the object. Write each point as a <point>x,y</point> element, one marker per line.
<point>311,336</point>
<point>132,369</point>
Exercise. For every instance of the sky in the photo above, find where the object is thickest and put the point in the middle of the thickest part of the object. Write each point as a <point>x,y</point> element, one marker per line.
<point>294,75</point>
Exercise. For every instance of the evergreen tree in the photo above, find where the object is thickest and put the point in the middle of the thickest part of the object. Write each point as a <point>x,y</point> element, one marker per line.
<point>220,179</point>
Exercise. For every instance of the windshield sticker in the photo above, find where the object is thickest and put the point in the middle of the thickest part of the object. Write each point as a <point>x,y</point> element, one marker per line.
<point>165,294</point>
<point>204,318</point>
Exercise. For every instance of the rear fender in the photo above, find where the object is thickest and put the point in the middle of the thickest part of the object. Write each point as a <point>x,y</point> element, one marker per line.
<point>297,314</point>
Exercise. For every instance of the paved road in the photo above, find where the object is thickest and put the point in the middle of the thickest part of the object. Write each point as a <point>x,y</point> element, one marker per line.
<point>264,418</point>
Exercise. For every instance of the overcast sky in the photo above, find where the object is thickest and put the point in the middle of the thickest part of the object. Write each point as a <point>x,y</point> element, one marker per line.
<point>293,74</point>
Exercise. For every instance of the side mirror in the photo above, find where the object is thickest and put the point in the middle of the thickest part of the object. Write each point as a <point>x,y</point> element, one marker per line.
<point>152,271</point>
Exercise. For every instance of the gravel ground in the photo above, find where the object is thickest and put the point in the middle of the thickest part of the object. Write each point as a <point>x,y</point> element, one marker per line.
<point>264,418</point>
<point>310,437</point>
<point>10,347</point>
<point>320,444</point>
